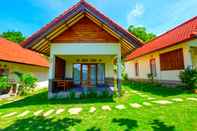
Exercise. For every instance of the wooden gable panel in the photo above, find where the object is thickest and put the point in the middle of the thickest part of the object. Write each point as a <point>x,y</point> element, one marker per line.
<point>85,31</point>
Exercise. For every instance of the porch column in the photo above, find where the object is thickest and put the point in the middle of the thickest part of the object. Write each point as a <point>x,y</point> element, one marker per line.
<point>51,75</point>
<point>119,72</point>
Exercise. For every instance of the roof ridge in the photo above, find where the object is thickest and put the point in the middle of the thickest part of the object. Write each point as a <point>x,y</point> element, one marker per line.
<point>187,21</point>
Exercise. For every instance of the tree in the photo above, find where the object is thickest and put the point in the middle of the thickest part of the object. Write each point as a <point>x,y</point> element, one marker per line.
<point>141,32</point>
<point>14,36</point>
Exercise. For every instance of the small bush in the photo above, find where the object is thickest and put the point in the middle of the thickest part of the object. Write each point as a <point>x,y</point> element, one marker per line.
<point>189,78</point>
<point>72,95</point>
<point>27,82</point>
<point>4,82</point>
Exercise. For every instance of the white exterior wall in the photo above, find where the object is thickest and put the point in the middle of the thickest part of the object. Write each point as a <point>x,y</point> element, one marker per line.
<point>72,51</point>
<point>144,63</point>
<point>41,73</point>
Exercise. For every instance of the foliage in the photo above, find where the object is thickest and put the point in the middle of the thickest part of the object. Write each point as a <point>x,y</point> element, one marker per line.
<point>189,77</point>
<point>141,32</point>
<point>150,77</point>
<point>4,82</point>
<point>72,95</point>
<point>14,36</point>
<point>26,82</point>
<point>123,73</point>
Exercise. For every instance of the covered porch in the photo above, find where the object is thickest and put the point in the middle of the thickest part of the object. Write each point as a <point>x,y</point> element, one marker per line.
<point>84,72</point>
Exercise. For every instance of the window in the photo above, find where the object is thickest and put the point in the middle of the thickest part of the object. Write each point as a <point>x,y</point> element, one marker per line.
<point>136,69</point>
<point>172,60</point>
<point>153,69</point>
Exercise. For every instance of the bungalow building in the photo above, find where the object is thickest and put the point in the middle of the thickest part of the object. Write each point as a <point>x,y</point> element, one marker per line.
<point>83,45</point>
<point>14,58</point>
<point>165,56</point>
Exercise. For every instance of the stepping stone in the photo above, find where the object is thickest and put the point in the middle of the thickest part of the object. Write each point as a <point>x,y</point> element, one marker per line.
<point>136,105</point>
<point>177,99</point>
<point>120,107</point>
<point>163,102</point>
<point>147,104</point>
<point>106,108</point>
<point>92,109</point>
<point>134,91</point>
<point>10,114</point>
<point>23,114</point>
<point>48,112</point>
<point>74,111</point>
<point>59,111</point>
<point>192,99</point>
<point>151,98</point>
<point>144,96</point>
<point>139,93</point>
<point>38,112</point>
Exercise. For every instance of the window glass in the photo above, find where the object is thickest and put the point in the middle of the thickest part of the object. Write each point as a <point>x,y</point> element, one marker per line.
<point>101,73</point>
<point>77,73</point>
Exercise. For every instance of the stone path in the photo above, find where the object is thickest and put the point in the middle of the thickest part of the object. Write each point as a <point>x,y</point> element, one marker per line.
<point>120,107</point>
<point>59,111</point>
<point>23,114</point>
<point>38,112</point>
<point>74,111</point>
<point>192,99</point>
<point>136,105</point>
<point>106,108</point>
<point>177,99</point>
<point>9,114</point>
<point>48,112</point>
<point>151,98</point>
<point>147,104</point>
<point>162,102</point>
<point>92,109</point>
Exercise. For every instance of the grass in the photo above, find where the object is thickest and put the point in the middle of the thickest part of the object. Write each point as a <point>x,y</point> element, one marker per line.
<point>178,116</point>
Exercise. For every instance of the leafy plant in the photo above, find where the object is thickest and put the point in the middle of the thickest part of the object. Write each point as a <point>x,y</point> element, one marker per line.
<point>4,82</point>
<point>150,77</point>
<point>189,77</point>
<point>72,95</point>
<point>26,82</point>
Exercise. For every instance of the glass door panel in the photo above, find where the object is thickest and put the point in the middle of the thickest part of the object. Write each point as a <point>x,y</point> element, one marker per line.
<point>77,73</point>
<point>101,74</point>
<point>85,75</point>
<point>92,75</point>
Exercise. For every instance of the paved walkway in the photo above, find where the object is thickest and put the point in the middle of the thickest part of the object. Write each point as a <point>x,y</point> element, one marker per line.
<point>77,110</point>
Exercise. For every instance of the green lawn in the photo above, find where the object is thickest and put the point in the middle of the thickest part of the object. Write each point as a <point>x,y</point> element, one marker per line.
<point>180,116</point>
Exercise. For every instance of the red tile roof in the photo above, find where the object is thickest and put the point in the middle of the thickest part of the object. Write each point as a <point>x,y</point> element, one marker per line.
<point>12,52</point>
<point>181,33</point>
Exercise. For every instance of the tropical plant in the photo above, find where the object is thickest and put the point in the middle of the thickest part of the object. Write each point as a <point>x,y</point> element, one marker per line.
<point>27,82</point>
<point>150,77</point>
<point>4,82</point>
<point>189,77</point>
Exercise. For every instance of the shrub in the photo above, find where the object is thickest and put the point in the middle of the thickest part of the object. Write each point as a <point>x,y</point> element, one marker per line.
<point>72,95</point>
<point>27,82</point>
<point>189,77</point>
<point>150,77</point>
<point>4,82</point>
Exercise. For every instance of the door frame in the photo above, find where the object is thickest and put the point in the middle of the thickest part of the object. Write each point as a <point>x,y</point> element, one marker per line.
<point>88,74</point>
